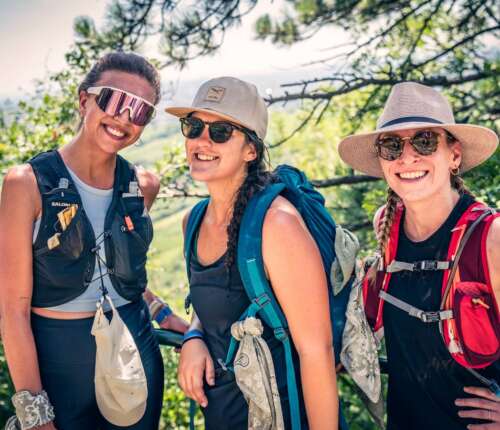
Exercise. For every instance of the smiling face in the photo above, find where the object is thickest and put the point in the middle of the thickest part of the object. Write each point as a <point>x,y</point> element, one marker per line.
<point>111,134</point>
<point>210,162</point>
<point>415,177</point>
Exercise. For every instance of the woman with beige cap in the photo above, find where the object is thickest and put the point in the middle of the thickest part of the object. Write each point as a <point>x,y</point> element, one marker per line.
<point>438,273</point>
<point>224,128</point>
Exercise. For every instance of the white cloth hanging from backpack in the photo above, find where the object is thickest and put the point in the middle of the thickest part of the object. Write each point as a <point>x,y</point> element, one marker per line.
<point>346,249</point>
<point>359,353</point>
<point>120,381</point>
<point>254,371</point>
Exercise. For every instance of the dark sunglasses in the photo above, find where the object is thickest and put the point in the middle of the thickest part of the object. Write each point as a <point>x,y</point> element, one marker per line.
<point>113,102</point>
<point>391,147</point>
<point>219,131</point>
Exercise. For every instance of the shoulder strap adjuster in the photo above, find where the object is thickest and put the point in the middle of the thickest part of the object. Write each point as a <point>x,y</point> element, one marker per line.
<point>262,300</point>
<point>63,183</point>
<point>398,266</point>
<point>424,316</point>
<point>430,317</point>
<point>281,334</point>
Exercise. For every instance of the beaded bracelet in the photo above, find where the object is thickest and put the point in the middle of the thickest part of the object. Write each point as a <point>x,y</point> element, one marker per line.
<point>154,307</point>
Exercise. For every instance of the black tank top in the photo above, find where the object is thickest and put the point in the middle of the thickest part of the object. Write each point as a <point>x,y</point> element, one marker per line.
<point>424,380</point>
<point>219,299</point>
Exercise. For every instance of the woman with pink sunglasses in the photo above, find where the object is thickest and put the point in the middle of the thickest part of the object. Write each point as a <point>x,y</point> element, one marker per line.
<point>75,229</point>
<point>435,289</point>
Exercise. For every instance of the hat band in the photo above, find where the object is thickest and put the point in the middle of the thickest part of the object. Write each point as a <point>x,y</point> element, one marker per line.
<point>411,119</point>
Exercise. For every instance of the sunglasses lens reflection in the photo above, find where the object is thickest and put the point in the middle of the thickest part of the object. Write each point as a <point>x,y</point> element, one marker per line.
<point>219,131</point>
<point>114,102</point>
<point>390,148</point>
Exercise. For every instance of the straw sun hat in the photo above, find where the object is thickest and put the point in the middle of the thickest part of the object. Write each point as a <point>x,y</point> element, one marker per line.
<point>415,106</point>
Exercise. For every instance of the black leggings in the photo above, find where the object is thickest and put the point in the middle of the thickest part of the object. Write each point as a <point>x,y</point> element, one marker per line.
<point>66,355</point>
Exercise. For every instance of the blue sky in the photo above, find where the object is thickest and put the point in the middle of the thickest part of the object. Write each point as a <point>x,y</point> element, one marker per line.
<point>35,34</point>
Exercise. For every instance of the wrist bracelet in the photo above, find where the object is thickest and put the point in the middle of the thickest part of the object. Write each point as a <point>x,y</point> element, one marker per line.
<point>192,334</point>
<point>154,307</point>
<point>164,313</point>
<point>32,409</point>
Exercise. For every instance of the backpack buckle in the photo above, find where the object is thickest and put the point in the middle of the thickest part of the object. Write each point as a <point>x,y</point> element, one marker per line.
<point>430,317</point>
<point>281,334</point>
<point>262,300</point>
<point>425,265</point>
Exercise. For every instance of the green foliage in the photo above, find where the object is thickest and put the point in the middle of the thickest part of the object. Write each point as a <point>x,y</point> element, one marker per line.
<point>438,42</point>
<point>175,412</point>
<point>44,121</point>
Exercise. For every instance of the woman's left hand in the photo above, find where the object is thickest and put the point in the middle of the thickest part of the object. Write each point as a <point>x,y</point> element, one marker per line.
<point>174,323</point>
<point>486,406</point>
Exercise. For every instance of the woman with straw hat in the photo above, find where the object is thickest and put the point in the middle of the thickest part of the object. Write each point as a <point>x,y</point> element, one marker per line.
<point>438,271</point>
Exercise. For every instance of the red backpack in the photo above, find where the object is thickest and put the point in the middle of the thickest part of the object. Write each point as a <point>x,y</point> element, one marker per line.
<point>468,317</point>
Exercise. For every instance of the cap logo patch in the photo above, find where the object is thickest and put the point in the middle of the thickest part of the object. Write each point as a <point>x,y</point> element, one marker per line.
<point>215,94</point>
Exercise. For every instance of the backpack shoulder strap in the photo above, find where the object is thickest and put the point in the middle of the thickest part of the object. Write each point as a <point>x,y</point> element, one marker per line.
<point>125,174</point>
<point>49,170</point>
<point>250,260</point>
<point>475,214</point>
<point>258,289</point>
<point>192,226</point>
<point>484,257</point>
<point>382,280</point>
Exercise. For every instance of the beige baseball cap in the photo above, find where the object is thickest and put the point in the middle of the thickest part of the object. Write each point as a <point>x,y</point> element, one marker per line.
<point>231,99</point>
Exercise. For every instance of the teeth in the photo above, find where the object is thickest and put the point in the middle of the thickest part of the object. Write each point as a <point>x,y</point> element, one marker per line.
<point>114,131</point>
<point>204,157</point>
<point>412,175</point>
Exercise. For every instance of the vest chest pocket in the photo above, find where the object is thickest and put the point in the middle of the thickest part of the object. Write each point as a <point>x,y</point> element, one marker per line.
<point>67,243</point>
<point>477,323</point>
<point>131,234</point>
<point>137,222</point>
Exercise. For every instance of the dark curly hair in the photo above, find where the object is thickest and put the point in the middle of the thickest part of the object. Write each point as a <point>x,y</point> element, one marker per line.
<point>123,62</point>
<point>257,178</point>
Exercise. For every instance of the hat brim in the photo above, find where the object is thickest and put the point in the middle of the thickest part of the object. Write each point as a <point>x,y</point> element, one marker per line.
<point>478,144</point>
<point>182,112</point>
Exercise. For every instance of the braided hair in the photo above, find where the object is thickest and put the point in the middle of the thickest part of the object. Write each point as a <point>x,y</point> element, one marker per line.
<point>257,178</point>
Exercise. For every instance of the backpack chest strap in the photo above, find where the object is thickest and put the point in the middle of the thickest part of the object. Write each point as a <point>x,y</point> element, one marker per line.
<point>418,266</point>
<point>425,316</point>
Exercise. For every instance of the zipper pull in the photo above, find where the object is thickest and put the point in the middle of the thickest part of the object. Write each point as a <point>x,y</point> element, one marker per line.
<point>129,223</point>
<point>480,302</point>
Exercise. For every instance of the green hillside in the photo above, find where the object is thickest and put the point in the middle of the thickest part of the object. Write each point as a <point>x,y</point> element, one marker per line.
<point>166,269</point>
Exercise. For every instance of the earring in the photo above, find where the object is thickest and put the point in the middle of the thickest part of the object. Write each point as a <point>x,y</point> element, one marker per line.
<point>455,171</point>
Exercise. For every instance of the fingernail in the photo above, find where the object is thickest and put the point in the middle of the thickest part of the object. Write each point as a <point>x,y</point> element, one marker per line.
<point>211,381</point>
<point>203,404</point>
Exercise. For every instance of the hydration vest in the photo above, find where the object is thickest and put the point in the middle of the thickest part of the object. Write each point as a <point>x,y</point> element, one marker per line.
<point>468,317</point>
<point>63,271</point>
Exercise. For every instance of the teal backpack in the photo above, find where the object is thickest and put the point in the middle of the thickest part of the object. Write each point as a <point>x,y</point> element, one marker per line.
<point>293,185</point>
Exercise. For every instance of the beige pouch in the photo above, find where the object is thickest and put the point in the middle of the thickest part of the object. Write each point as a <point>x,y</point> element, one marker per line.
<point>120,382</point>
<point>254,371</point>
